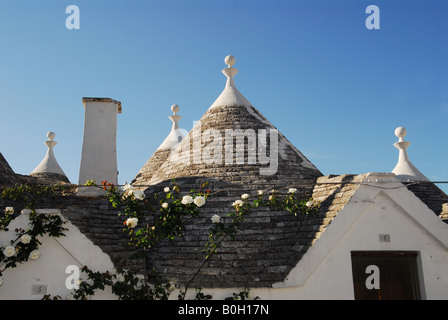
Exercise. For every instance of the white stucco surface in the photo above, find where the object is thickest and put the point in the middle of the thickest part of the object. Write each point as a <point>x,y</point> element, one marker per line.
<point>99,148</point>
<point>50,269</point>
<point>381,205</point>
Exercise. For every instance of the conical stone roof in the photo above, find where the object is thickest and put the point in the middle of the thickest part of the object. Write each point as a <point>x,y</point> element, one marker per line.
<point>234,142</point>
<point>269,243</point>
<point>175,136</point>
<point>7,175</point>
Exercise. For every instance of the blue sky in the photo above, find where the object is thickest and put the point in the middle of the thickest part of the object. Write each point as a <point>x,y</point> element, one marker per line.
<point>334,88</point>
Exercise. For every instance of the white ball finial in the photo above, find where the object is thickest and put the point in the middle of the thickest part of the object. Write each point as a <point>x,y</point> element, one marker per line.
<point>51,135</point>
<point>175,108</point>
<point>229,60</point>
<point>400,132</point>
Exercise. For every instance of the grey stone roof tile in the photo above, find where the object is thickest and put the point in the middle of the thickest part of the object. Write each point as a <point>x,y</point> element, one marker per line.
<point>7,175</point>
<point>431,195</point>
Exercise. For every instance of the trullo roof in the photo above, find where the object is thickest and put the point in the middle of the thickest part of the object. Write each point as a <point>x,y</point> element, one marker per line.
<point>236,150</point>
<point>234,142</point>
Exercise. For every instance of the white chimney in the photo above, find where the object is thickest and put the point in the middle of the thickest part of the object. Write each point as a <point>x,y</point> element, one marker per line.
<point>99,147</point>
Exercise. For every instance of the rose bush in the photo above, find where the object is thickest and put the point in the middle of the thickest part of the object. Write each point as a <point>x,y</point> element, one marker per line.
<point>144,231</point>
<point>24,246</point>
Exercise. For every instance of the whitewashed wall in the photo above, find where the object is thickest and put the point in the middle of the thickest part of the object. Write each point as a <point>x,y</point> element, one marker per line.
<point>50,269</point>
<point>381,207</point>
<point>325,271</point>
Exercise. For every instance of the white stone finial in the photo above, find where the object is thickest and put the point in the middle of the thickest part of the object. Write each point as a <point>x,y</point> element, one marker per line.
<point>405,170</point>
<point>230,96</point>
<point>51,135</point>
<point>175,135</point>
<point>229,60</point>
<point>400,132</point>
<point>175,108</point>
<point>49,163</point>
<point>230,71</point>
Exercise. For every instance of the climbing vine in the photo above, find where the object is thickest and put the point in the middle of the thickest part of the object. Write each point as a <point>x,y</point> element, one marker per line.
<point>24,245</point>
<point>167,221</point>
<point>243,207</point>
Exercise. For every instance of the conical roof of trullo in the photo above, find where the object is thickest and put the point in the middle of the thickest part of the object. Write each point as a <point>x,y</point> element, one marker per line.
<point>236,150</point>
<point>7,175</point>
<point>175,136</point>
<point>234,142</point>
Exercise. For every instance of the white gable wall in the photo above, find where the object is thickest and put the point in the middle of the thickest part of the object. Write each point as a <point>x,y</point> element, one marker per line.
<point>384,207</point>
<point>50,268</point>
<point>377,207</point>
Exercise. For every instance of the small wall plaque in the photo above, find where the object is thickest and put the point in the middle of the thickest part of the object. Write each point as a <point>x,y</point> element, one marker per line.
<point>39,289</point>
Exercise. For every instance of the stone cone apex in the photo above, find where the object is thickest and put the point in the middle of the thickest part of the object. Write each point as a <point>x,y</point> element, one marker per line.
<point>163,151</point>
<point>230,96</point>
<point>234,142</point>
<point>49,167</point>
<point>405,170</point>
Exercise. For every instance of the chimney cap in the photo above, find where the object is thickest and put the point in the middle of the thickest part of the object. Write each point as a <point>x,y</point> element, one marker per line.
<point>96,99</point>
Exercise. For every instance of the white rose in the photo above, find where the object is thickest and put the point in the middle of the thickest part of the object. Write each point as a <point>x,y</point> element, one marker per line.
<point>138,194</point>
<point>199,201</point>
<point>9,210</point>
<point>260,192</point>
<point>216,219</point>
<point>237,203</point>
<point>164,205</point>
<point>9,251</point>
<point>292,190</point>
<point>309,203</point>
<point>120,277</point>
<point>34,255</point>
<point>166,189</point>
<point>128,187</point>
<point>245,196</point>
<point>25,239</point>
<point>187,200</point>
<point>131,222</point>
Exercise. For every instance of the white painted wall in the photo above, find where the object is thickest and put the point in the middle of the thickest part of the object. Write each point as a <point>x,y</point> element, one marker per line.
<point>382,207</point>
<point>50,268</point>
<point>99,148</point>
<point>325,270</point>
